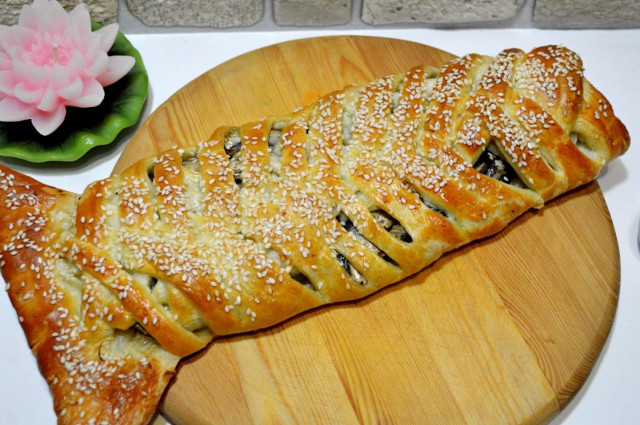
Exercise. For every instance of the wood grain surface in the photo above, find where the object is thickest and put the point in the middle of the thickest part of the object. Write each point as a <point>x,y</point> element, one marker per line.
<point>502,331</point>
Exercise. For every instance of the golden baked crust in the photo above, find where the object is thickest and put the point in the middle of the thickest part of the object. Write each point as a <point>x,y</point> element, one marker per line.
<point>263,221</point>
<point>75,327</point>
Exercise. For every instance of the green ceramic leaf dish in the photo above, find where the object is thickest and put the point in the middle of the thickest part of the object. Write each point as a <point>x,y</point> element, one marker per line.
<point>83,128</point>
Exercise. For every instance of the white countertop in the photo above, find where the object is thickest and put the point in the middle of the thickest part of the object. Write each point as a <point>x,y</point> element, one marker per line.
<point>611,394</point>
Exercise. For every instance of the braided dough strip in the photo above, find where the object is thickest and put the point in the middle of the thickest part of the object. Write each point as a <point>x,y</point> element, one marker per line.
<point>266,220</point>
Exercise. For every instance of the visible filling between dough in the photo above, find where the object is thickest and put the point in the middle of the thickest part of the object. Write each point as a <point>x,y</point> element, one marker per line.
<point>275,148</point>
<point>492,164</point>
<point>301,278</point>
<point>392,225</point>
<point>350,269</point>
<point>348,225</point>
<point>233,146</point>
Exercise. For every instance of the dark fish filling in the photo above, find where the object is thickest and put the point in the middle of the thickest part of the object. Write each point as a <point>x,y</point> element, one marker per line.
<point>232,147</point>
<point>152,283</point>
<point>274,137</point>
<point>232,144</point>
<point>426,202</point>
<point>301,278</point>
<point>191,163</point>
<point>348,225</point>
<point>391,225</point>
<point>434,208</point>
<point>275,148</point>
<point>492,165</point>
<point>351,271</point>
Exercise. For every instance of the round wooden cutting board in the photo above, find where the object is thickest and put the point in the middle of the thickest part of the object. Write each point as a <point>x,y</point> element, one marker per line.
<point>503,331</point>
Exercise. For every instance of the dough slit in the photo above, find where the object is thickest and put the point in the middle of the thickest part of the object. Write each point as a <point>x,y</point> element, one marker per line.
<point>492,163</point>
<point>351,270</point>
<point>351,228</point>
<point>233,147</point>
<point>392,225</point>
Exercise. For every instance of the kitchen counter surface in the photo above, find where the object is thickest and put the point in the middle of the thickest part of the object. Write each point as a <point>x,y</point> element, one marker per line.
<point>610,394</point>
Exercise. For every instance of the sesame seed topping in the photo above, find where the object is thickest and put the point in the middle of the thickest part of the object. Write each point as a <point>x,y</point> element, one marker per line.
<point>332,201</point>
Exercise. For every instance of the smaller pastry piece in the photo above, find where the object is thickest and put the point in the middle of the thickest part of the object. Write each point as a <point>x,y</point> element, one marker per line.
<point>272,218</point>
<point>86,344</point>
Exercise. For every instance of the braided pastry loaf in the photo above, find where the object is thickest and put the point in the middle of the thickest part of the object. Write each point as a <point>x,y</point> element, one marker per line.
<point>267,220</point>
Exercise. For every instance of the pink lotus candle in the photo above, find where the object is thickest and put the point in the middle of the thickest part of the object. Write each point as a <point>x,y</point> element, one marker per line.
<point>50,60</point>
